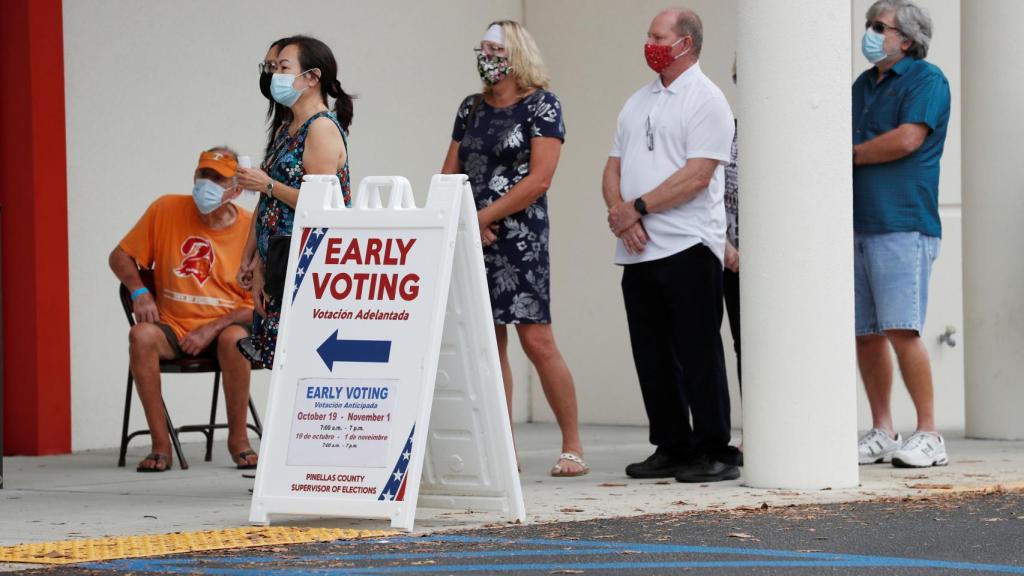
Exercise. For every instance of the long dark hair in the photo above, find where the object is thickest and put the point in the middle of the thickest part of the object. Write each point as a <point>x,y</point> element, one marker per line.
<point>315,54</point>
<point>277,115</point>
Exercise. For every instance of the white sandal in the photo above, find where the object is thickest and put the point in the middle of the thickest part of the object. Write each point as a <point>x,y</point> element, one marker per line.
<point>557,470</point>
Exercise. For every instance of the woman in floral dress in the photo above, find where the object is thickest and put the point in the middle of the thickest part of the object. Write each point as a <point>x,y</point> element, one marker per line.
<point>314,142</point>
<point>507,140</point>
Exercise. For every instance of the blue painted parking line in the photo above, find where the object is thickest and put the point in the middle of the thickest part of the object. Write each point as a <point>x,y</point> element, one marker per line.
<point>586,555</point>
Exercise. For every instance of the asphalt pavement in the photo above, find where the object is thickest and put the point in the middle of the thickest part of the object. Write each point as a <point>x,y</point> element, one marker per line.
<point>953,534</point>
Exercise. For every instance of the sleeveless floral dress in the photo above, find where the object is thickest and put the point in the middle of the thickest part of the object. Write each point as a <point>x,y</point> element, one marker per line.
<point>494,151</point>
<point>273,217</point>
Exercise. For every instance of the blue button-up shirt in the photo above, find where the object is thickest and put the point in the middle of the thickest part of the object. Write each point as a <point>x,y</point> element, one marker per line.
<point>902,195</point>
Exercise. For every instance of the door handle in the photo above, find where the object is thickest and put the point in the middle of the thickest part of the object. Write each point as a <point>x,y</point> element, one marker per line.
<point>948,337</point>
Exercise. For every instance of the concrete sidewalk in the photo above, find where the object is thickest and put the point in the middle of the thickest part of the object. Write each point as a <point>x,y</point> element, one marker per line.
<point>85,495</point>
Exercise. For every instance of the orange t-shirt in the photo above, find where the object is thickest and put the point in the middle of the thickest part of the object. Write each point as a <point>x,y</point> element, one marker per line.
<point>194,266</point>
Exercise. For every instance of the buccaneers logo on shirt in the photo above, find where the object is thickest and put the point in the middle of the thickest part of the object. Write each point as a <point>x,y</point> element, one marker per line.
<point>198,261</point>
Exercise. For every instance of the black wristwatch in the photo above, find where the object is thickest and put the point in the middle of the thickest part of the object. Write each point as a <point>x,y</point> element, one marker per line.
<point>640,206</point>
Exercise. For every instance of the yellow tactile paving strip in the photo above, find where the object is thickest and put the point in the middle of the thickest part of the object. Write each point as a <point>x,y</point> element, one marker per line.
<point>74,551</point>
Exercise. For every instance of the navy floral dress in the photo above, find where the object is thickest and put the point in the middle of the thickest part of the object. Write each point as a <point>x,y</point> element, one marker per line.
<point>494,151</point>
<point>273,217</point>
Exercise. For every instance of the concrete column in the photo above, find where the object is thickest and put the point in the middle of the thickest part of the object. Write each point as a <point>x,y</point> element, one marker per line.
<point>799,368</point>
<point>33,193</point>
<point>993,205</point>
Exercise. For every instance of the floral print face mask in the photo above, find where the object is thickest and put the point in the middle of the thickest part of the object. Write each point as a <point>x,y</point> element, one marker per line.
<point>492,68</point>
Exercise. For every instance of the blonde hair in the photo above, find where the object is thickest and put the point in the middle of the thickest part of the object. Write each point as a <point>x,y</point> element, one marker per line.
<point>523,56</point>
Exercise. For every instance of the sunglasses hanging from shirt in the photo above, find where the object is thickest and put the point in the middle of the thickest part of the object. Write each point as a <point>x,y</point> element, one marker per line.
<point>652,119</point>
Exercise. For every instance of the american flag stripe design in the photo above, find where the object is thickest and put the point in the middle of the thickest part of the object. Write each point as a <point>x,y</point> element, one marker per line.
<point>311,238</point>
<point>395,487</point>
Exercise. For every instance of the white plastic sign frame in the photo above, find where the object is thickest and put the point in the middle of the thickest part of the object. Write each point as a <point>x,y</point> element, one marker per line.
<point>363,332</point>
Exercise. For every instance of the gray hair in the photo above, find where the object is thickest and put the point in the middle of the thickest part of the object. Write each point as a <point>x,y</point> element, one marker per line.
<point>913,22</point>
<point>689,24</point>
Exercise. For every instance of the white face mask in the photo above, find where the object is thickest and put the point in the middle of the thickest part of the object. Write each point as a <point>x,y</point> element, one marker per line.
<point>872,46</point>
<point>208,195</point>
<point>281,89</point>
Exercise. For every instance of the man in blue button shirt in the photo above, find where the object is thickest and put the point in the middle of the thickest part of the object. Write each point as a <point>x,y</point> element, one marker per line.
<point>900,112</point>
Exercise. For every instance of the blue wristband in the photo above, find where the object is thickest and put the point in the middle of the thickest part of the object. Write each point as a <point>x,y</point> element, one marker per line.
<point>139,292</point>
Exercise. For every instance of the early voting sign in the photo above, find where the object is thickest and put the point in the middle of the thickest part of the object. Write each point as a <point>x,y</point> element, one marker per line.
<point>386,390</point>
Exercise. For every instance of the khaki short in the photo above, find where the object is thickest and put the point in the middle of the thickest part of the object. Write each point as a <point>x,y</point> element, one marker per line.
<point>209,352</point>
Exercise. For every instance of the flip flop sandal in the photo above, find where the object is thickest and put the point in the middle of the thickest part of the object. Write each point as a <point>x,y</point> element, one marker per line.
<point>557,470</point>
<point>157,458</point>
<point>241,456</point>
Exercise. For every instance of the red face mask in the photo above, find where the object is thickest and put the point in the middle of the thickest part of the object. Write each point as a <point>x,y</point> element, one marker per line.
<point>659,56</point>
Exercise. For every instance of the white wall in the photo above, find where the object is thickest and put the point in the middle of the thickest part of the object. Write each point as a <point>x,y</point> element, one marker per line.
<point>595,53</point>
<point>150,84</point>
<point>993,271</point>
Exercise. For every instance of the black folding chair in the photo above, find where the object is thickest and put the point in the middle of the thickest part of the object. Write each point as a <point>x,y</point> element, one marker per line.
<point>184,365</point>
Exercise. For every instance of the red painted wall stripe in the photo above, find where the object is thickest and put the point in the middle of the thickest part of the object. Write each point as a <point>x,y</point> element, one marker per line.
<point>33,196</point>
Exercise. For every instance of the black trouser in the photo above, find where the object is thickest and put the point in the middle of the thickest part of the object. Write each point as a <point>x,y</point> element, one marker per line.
<point>731,288</point>
<point>674,309</point>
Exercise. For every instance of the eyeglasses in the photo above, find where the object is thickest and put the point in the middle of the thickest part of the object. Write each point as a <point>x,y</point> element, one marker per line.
<point>879,27</point>
<point>270,67</point>
<point>650,135</point>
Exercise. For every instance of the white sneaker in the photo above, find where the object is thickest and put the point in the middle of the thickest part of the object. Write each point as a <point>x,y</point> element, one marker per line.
<point>877,446</point>
<point>921,450</point>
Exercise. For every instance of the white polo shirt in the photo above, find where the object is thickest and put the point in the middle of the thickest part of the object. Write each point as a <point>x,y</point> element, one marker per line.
<point>689,119</point>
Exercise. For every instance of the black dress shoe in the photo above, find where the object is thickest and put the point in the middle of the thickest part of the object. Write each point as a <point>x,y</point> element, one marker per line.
<point>708,471</point>
<point>657,465</point>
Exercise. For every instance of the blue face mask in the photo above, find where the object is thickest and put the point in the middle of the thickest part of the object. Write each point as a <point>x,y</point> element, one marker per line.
<point>208,195</point>
<point>281,89</point>
<point>873,46</point>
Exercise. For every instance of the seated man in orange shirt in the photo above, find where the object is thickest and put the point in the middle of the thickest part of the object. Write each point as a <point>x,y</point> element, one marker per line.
<point>194,245</point>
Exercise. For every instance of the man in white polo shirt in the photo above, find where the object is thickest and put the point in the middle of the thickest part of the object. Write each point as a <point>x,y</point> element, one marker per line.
<point>664,187</point>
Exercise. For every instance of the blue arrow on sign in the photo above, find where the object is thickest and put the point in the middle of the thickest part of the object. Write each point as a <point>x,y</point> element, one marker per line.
<point>335,350</point>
